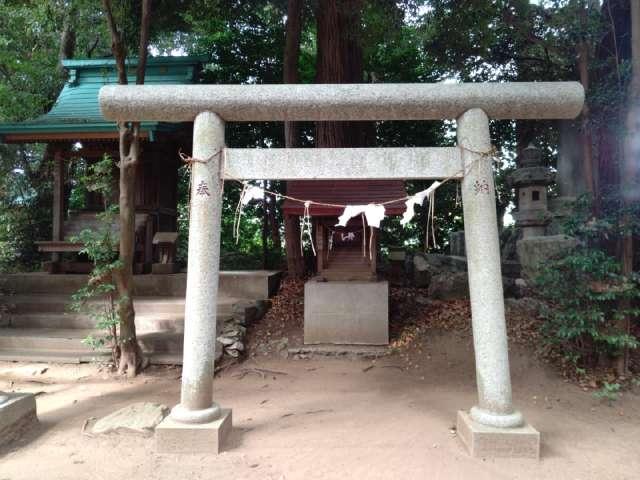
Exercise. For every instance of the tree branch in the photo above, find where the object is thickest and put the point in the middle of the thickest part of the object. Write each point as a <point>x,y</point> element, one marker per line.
<point>117,45</point>
<point>144,41</point>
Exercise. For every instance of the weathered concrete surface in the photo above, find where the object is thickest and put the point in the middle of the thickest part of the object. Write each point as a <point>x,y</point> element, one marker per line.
<point>176,437</point>
<point>139,418</point>
<point>343,163</point>
<point>535,252</point>
<point>253,284</point>
<point>322,102</point>
<point>250,284</point>
<point>485,278</point>
<point>482,441</point>
<point>346,313</point>
<point>17,414</point>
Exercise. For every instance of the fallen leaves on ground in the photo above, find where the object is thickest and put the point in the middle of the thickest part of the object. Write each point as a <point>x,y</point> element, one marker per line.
<point>413,317</point>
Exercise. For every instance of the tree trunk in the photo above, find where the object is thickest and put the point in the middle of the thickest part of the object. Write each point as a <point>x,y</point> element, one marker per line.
<point>265,227</point>
<point>586,140</point>
<point>291,61</point>
<point>295,262</point>
<point>339,60</point>
<point>131,358</point>
<point>273,223</point>
<point>67,38</point>
<point>130,352</point>
<point>583,54</point>
<point>629,171</point>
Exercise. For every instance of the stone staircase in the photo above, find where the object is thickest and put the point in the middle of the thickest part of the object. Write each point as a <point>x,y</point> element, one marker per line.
<point>348,264</point>
<point>39,326</point>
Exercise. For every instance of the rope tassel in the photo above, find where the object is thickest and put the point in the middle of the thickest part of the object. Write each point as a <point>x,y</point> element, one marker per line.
<point>306,227</point>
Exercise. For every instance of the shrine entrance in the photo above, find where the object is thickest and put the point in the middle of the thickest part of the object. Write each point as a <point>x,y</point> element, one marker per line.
<point>197,424</point>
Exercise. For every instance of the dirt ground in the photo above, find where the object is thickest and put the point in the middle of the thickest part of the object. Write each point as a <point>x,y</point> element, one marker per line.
<point>326,419</point>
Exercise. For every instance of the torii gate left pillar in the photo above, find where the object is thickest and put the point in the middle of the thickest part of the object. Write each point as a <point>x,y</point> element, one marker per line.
<point>197,424</point>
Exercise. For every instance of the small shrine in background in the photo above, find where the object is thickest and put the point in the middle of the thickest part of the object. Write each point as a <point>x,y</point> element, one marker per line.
<point>345,303</point>
<point>75,131</point>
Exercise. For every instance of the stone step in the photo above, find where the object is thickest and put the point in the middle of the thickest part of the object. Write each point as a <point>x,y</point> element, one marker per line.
<point>64,357</point>
<point>60,339</point>
<point>51,356</point>
<point>145,306</point>
<point>348,275</point>
<point>144,323</point>
<point>249,284</point>
<point>45,339</point>
<point>65,345</point>
<point>348,267</point>
<point>162,342</point>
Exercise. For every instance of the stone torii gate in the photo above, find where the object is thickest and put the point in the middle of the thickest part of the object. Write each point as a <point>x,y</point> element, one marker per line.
<point>493,427</point>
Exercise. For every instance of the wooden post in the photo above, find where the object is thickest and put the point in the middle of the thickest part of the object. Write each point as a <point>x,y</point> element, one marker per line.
<point>58,201</point>
<point>320,250</point>
<point>374,250</point>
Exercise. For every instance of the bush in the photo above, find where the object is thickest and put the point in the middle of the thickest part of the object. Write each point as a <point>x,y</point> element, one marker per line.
<point>584,290</point>
<point>588,297</point>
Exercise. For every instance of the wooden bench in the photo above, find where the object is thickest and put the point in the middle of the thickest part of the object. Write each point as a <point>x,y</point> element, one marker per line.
<point>79,221</point>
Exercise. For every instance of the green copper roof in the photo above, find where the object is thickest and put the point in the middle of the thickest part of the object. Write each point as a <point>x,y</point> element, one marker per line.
<point>77,111</point>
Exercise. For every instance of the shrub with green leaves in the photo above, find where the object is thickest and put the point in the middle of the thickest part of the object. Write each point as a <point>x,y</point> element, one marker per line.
<point>98,299</point>
<point>587,295</point>
<point>584,289</point>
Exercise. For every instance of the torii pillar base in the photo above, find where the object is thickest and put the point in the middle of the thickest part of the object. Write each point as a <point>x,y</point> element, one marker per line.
<point>482,441</point>
<point>176,437</point>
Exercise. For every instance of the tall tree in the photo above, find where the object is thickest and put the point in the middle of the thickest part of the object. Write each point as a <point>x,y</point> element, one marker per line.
<point>131,357</point>
<point>293,33</point>
<point>339,60</point>
<point>629,167</point>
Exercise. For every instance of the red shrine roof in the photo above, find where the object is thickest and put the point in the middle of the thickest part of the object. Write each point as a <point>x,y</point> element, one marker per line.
<point>343,192</point>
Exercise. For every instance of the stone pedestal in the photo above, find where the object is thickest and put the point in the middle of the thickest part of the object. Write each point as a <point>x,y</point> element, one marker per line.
<point>482,441</point>
<point>178,437</point>
<point>164,268</point>
<point>349,313</point>
<point>534,252</point>
<point>17,413</point>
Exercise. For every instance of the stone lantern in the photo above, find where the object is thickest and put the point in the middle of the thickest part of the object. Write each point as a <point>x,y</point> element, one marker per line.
<point>530,180</point>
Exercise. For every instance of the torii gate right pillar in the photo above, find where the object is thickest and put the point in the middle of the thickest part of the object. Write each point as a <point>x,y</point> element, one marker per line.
<point>493,427</point>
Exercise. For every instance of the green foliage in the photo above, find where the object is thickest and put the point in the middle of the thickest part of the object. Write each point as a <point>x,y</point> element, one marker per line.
<point>587,294</point>
<point>609,392</point>
<point>97,299</point>
<point>25,205</point>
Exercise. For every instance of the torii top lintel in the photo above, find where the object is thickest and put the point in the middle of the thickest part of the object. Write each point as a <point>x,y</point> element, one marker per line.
<point>332,102</point>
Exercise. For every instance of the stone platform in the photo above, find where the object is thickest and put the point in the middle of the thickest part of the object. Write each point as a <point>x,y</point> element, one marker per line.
<point>250,284</point>
<point>16,415</point>
<point>176,437</point>
<point>482,441</point>
<point>42,329</point>
<point>355,313</point>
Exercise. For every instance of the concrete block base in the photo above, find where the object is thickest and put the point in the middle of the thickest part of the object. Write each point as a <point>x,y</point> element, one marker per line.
<point>338,312</point>
<point>164,268</point>
<point>16,415</point>
<point>175,437</point>
<point>490,442</point>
